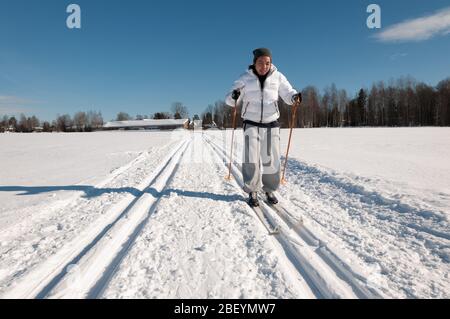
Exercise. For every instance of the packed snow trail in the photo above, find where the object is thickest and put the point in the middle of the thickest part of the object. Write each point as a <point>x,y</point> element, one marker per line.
<point>96,266</point>
<point>328,274</point>
<point>203,241</point>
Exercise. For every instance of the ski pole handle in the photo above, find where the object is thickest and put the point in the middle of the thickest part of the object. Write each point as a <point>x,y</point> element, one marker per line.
<point>235,94</point>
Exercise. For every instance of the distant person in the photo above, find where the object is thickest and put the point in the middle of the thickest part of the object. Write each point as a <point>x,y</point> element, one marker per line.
<point>258,90</point>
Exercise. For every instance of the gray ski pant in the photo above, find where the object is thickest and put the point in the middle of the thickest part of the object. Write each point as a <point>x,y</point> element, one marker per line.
<point>261,153</point>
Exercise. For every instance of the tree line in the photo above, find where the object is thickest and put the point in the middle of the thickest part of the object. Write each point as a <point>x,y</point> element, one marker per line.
<point>81,121</point>
<point>403,102</point>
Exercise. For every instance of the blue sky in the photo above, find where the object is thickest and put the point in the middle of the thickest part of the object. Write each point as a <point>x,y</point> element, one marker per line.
<point>140,56</point>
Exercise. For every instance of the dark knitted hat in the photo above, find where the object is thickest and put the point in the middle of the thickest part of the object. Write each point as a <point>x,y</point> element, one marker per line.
<point>261,52</point>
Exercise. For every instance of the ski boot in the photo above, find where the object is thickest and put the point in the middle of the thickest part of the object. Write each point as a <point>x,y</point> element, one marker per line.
<point>271,199</point>
<point>253,199</point>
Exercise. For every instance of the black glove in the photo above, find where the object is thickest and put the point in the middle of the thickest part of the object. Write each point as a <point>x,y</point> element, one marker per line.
<point>297,97</point>
<point>236,94</point>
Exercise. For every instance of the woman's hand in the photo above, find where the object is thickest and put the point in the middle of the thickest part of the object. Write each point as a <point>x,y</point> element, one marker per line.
<point>297,98</point>
<point>235,95</point>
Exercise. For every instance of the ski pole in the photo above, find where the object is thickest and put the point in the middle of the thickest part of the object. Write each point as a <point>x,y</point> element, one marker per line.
<point>232,140</point>
<point>294,111</point>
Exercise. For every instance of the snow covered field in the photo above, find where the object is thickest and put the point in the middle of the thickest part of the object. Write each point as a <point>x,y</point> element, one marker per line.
<point>150,215</point>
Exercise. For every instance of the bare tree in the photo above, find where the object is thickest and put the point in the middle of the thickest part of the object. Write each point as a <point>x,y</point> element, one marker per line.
<point>34,122</point>
<point>95,120</point>
<point>207,116</point>
<point>46,127</point>
<point>24,124</point>
<point>309,113</point>
<point>324,105</point>
<point>443,103</point>
<point>4,123</point>
<point>80,120</point>
<point>64,123</point>
<point>179,110</point>
<point>334,106</point>
<point>427,102</point>
<point>361,104</point>
<point>343,101</point>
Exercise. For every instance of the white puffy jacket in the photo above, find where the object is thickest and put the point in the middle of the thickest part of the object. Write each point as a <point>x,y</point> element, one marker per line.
<point>261,105</point>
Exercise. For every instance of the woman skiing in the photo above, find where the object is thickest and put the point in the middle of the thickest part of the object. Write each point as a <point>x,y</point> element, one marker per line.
<point>258,90</point>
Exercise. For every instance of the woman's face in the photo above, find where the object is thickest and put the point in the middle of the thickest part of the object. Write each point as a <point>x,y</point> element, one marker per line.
<point>263,64</point>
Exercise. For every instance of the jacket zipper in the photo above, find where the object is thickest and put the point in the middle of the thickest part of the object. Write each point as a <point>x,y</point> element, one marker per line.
<point>262,94</point>
<point>262,105</point>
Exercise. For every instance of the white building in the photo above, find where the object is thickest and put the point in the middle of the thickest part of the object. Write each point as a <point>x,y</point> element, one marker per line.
<point>167,124</point>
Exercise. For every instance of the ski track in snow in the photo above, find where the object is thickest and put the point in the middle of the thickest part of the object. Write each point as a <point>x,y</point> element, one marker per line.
<point>402,251</point>
<point>409,258</point>
<point>50,226</point>
<point>220,249</point>
<point>328,275</point>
